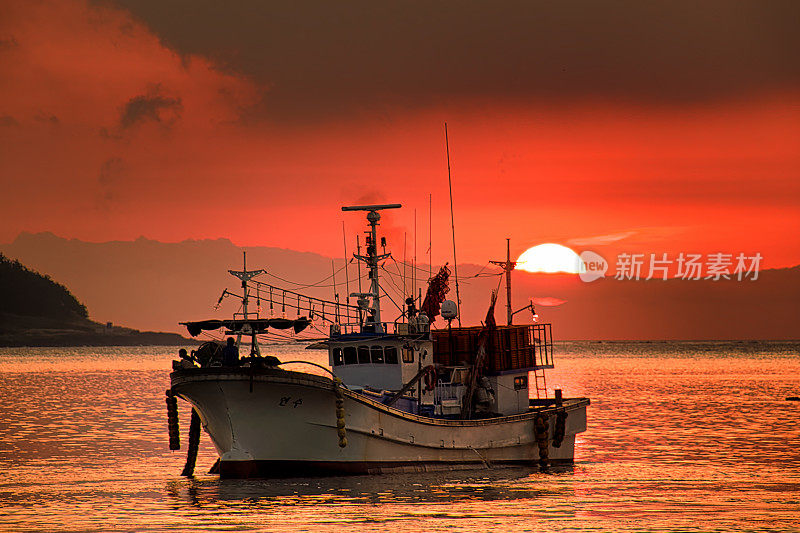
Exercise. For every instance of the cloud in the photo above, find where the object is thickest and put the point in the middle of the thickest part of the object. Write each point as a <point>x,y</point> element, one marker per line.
<point>601,239</point>
<point>75,70</point>
<point>112,172</point>
<point>7,121</point>
<point>8,44</point>
<point>321,58</point>
<point>548,301</point>
<point>635,236</point>
<point>47,118</point>
<point>154,107</point>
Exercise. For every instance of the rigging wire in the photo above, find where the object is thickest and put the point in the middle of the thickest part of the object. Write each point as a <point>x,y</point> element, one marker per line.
<point>461,277</point>
<point>413,267</point>
<point>317,284</point>
<point>452,223</point>
<point>393,284</point>
<point>461,280</point>
<point>392,300</point>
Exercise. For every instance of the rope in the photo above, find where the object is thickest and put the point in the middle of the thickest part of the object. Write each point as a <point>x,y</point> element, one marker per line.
<point>309,363</point>
<point>488,466</point>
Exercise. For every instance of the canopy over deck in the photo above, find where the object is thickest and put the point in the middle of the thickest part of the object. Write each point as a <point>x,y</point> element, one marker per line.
<point>256,325</point>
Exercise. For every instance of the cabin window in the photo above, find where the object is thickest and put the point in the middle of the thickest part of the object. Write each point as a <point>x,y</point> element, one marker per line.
<point>363,355</point>
<point>337,357</point>
<point>377,354</point>
<point>350,355</point>
<point>408,355</point>
<point>390,355</point>
<point>520,382</point>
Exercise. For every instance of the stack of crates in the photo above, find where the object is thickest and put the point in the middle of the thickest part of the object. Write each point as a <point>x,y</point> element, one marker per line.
<point>510,348</point>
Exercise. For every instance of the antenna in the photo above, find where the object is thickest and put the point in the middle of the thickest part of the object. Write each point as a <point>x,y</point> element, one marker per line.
<point>346,269</point>
<point>405,265</point>
<point>335,292</point>
<point>452,223</point>
<point>414,263</point>
<point>430,236</point>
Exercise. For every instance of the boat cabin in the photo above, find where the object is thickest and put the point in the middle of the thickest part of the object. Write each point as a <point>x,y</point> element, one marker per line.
<point>385,362</point>
<point>381,365</point>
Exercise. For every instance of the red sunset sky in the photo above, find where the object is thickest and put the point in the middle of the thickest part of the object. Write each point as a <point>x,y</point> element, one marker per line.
<point>668,126</point>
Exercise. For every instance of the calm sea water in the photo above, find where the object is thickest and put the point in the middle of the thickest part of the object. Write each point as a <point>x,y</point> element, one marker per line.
<point>681,437</point>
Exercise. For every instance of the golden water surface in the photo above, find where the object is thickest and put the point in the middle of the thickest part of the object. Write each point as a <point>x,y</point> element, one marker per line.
<point>681,437</point>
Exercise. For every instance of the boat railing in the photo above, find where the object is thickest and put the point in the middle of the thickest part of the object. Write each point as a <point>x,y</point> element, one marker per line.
<point>447,393</point>
<point>392,328</point>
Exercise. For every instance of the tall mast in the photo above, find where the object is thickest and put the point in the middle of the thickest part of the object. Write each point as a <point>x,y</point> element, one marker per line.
<point>507,266</point>
<point>372,259</point>
<point>358,272</point>
<point>452,223</point>
<point>358,252</point>
<point>245,275</point>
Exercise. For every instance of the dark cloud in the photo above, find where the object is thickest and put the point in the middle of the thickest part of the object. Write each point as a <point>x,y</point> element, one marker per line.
<point>152,106</point>
<point>8,121</point>
<point>47,118</point>
<point>112,173</point>
<point>336,57</point>
<point>8,43</point>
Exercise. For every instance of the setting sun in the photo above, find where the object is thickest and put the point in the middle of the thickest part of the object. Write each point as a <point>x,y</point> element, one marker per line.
<point>550,258</point>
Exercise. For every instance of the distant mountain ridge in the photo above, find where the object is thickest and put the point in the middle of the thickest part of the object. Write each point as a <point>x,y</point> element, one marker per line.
<point>153,285</point>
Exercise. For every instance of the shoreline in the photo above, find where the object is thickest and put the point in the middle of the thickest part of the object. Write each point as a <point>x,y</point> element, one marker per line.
<point>74,339</point>
<point>18,331</point>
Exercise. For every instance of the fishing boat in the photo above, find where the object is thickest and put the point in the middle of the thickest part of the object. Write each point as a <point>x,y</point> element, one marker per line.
<point>400,396</point>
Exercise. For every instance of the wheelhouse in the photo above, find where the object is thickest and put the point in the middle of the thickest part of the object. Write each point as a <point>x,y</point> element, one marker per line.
<point>381,362</point>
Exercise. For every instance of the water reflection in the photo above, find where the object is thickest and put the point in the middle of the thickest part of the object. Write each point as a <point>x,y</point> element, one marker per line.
<point>426,487</point>
<point>462,499</point>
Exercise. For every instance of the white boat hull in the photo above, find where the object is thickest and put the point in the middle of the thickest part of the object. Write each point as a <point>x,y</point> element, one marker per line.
<point>275,423</point>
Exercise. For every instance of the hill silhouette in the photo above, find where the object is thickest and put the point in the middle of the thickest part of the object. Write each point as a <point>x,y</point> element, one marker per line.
<point>26,292</point>
<point>35,310</point>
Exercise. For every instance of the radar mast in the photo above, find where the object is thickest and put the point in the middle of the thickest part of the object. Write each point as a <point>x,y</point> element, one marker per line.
<point>372,259</point>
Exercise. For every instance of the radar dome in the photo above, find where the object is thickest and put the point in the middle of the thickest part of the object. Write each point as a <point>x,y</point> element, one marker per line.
<point>449,310</point>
